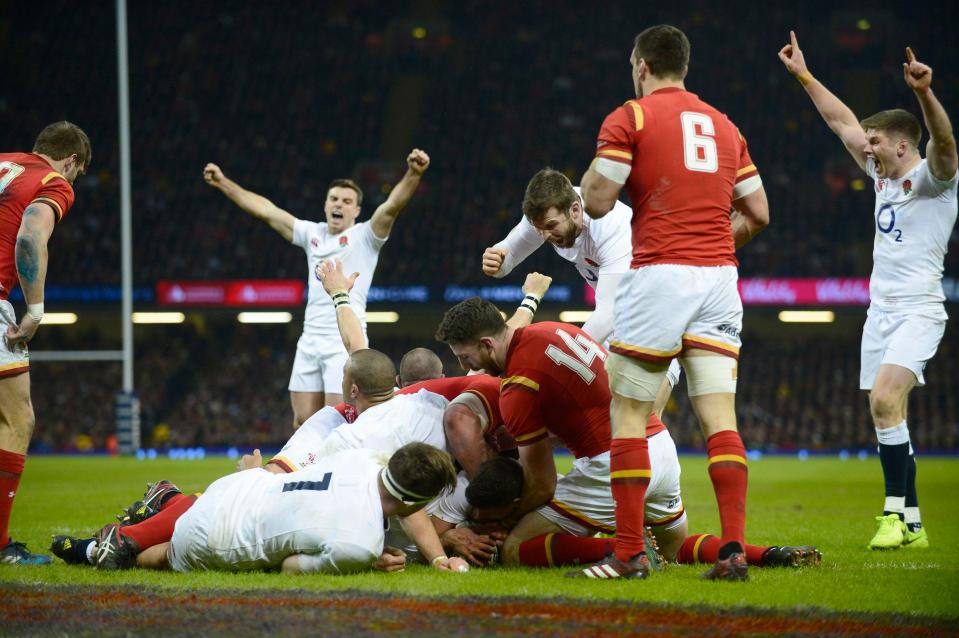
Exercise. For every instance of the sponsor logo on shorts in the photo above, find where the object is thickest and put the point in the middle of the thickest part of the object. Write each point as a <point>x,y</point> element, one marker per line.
<point>726,329</point>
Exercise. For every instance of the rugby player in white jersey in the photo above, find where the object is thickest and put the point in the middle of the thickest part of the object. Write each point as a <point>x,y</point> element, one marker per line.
<point>600,249</point>
<point>329,518</point>
<point>914,215</point>
<point>318,366</point>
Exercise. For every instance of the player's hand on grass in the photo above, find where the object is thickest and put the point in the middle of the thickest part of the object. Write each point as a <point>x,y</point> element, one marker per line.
<point>477,549</point>
<point>536,284</point>
<point>249,461</point>
<point>917,75</point>
<point>493,259</point>
<point>212,174</point>
<point>333,278</point>
<point>391,560</point>
<point>23,333</point>
<point>791,56</point>
<point>454,564</point>
<point>418,161</point>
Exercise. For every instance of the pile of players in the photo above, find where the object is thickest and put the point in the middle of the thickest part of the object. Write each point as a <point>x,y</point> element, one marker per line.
<point>368,480</point>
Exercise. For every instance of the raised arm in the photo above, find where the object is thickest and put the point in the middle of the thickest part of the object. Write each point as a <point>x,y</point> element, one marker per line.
<point>385,215</point>
<point>338,286</point>
<point>534,289</point>
<point>839,117</point>
<point>520,243</point>
<point>256,205</point>
<point>941,149</point>
<point>36,226</point>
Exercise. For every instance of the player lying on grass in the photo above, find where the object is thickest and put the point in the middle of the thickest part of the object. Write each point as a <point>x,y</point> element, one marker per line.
<point>330,518</point>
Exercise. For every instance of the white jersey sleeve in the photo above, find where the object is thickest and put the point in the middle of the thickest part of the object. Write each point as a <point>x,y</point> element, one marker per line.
<point>453,507</point>
<point>600,324</point>
<point>338,557</point>
<point>301,232</point>
<point>301,449</point>
<point>520,243</point>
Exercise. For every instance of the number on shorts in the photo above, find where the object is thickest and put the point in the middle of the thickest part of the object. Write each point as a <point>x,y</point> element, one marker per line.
<point>316,486</point>
<point>584,352</point>
<point>699,147</point>
<point>8,173</point>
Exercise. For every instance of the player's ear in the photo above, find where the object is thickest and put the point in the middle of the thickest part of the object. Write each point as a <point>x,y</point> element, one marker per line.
<point>399,384</point>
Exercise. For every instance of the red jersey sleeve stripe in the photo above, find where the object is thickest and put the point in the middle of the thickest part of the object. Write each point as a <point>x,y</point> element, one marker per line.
<point>531,437</point>
<point>638,117</point>
<point>613,154</point>
<point>520,380</point>
<point>49,176</point>
<point>53,204</point>
<point>283,463</point>
<point>489,411</point>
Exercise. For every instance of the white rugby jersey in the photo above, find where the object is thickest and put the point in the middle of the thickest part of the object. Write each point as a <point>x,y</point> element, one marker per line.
<point>300,450</point>
<point>604,247</point>
<point>358,248</point>
<point>330,511</point>
<point>388,426</point>
<point>914,216</point>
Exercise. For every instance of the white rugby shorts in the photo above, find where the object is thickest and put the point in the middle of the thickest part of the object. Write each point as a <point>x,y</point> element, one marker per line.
<point>907,338</point>
<point>664,309</point>
<point>318,364</point>
<point>583,502</point>
<point>15,360</point>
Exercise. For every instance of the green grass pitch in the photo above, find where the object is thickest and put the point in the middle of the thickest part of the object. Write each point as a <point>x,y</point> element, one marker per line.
<point>821,501</point>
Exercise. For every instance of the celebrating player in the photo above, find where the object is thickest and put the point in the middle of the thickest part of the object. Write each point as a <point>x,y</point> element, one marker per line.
<point>915,211</point>
<point>317,368</point>
<point>684,165</point>
<point>36,192</point>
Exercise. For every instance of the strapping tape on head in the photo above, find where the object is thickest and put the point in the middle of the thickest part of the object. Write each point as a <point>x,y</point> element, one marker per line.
<point>401,493</point>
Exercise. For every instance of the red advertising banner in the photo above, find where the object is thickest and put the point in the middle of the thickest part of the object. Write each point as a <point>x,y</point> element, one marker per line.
<point>273,293</point>
<point>826,291</point>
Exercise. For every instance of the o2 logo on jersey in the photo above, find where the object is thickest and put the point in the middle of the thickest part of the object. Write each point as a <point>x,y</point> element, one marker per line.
<point>886,222</point>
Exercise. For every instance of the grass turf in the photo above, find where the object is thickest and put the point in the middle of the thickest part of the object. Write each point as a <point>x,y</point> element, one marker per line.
<point>822,501</point>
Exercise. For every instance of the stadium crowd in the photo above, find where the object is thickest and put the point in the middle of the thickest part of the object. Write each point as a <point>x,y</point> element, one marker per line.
<point>489,124</point>
<point>224,385</point>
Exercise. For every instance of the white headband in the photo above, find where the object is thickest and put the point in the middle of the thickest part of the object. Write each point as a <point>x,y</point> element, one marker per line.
<point>401,493</point>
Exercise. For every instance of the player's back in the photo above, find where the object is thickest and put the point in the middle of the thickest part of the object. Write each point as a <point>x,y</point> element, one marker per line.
<point>262,518</point>
<point>687,157</point>
<point>25,178</point>
<point>555,382</point>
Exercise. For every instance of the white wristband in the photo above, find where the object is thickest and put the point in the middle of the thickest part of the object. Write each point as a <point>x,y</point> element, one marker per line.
<point>35,310</point>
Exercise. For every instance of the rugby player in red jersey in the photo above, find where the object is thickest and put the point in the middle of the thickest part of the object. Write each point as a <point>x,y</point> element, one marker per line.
<point>36,192</point>
<point>685,166</point>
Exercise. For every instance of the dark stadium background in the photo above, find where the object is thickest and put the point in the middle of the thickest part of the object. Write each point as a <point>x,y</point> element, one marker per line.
<point>286,96</point>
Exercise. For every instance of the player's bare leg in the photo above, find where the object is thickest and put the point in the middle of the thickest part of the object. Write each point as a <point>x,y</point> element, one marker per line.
<point>531,526</point>
<point>154,557</point>
<point>306,404</point>
<point>888,401</point>
<point>670,538</point>
<point>712,383</point>
<point>16,428</point>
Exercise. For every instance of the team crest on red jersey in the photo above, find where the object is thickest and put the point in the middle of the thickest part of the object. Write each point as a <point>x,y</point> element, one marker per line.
<point>344,240</point>
<point>907,187</point>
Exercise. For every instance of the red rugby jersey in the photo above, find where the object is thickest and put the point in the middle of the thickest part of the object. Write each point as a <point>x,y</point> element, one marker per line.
<point>25,178</point>
<point>686,159</point>
<point>482,385</point>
